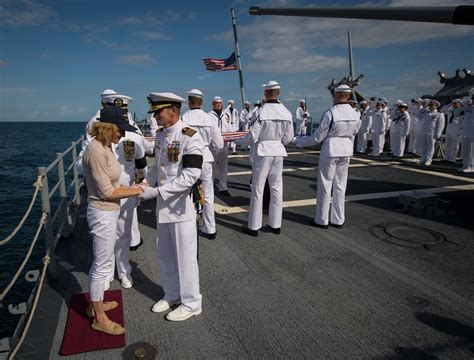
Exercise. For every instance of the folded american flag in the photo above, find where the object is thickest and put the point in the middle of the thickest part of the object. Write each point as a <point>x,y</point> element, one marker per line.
<point>233,135</point>
<point>221,64</point>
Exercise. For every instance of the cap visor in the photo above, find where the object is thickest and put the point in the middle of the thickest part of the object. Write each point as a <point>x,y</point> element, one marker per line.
<point>127,127</point>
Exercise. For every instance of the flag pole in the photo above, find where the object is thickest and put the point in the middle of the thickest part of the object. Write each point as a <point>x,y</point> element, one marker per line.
<point>351,62</point>
<point>237,55</point>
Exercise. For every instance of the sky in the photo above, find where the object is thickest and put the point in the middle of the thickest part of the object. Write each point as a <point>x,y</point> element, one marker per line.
<point>57,56</point>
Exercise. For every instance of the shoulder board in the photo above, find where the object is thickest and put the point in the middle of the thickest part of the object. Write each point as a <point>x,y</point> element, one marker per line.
<point>188,131</point>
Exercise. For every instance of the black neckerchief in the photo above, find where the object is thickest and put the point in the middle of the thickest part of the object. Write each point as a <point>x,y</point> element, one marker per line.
<point>218,112</point>
<point>195,108</point>
<point>341,103</point>
<point>272,102</point>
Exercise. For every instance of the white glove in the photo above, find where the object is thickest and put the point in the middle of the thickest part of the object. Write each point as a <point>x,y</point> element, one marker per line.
<point>294,140</point>
<point>148,192</point>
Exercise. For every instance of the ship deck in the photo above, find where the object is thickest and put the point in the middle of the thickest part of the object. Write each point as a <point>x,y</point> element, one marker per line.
<point>390,284</point>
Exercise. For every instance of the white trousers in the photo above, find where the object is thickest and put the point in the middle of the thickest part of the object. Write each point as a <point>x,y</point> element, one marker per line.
<point>264,167</point>
<point>377,144</point>
<point>332,175</point>
<point>103,228</point>
<point>427,145</point>
<point>413,146</point>
<point>362,138</point>
<point>398,141</point>
<point>467,151</point>
<point>177,258</point>
<point>452,145</point>
<point>208,216</point>
<point>221,159</point>
<point>300,128</point>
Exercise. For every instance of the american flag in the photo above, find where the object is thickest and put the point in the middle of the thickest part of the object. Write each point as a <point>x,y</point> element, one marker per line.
<point>221,64</point>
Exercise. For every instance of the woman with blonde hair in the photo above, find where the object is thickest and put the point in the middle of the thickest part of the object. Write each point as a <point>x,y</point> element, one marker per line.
<point>102,172</point>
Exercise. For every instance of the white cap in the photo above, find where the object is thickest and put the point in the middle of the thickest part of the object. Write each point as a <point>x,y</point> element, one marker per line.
<point>230,101</point>
<point>195,93</point>
<point>343,89</point>
<point>363,102</point>
<point>217,99</point>
<point>107,92</point>
<point>247,102</point>
<point>271,85</point>
<point>124,99</point>
<point>426,101</point>
<point>302,101</point>
<point>436,102</point>
<point>459,101</point>
<point>403,104</point>
<point>399,102</point>
<point>163,100</point>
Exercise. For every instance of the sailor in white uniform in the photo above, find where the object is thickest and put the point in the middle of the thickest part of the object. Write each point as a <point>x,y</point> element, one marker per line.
<point>431,128</point>
<point>455,115</point>
<point>301,118</point>
<point>232,117</point>
<point>196,118</point>
<point>271,131</point>
<point>245,116</point>
<point>413,110</point>
<point>467,145</point>
<point>177,167</point>
<point>365,126</point>
<point>379,127</point>
<point>400,130</point>
<point>221,157</point>
<point>336,131</point>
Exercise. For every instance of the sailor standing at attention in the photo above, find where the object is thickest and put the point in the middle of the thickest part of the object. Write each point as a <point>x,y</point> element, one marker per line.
<point>271,131</point>
<point>336,131</point>
<point>245,116</point>
<point>453,130</point>
<point>212,137</point>
<point>365,125</point>
<point>233,121</point>
<point>432,125</point>
<point>400,130</point>
<point>177,168</point>
<point>379,126</point>
<point>467,145</point>
<point>301,116</point>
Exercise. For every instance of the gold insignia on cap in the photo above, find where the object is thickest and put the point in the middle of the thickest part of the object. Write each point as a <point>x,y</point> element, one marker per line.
<point>118,102</point>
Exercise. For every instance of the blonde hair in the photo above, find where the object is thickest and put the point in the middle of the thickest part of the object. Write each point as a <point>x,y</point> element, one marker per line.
<point>104,132</point>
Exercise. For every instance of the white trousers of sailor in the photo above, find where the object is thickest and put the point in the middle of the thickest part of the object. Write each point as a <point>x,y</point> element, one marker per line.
<point>264,167</point>
<point>177,258</point>
<point>398,141</point>
<point>208,216</point>
<point>362,138</point>
<point>413,146</point>
<point>332,175</point>
<point>300,128</point>
<point>427,145</point>
<point>221,159</point>
<point>453,140</point>
<point>467,151</point>
<point>392,136</point>
<point>378,143</point>
<point>103,228</point>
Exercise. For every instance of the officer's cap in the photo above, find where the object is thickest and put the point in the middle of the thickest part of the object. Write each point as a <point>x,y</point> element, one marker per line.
<point>426,101</point>
<point>195,93</point>
<point>436,102</point>
<point>163,100</point>
<point>117,116</point>
<point>117,99</point>
<point>271,85</point>
<point>247,102</point>
<point>343,89</point>
<point>459,101</point>
<point>107,92</point>
<point>217,99</point>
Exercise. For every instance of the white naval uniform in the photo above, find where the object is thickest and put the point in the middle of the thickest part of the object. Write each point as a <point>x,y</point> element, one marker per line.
<point>212,137</point>
<point>272,130</point>
<point>245,116</point>
<point>431,127</point>
<point>399,131</point>
<point>301,117</point>
<point>453,133</point>
<point>176,214</point>
<point>414,129</point>
<point>467,145</point>
<point>128,233</point>
<point>336,132</point>
<point>379,126</point>
<point>221,156</point>
<point>392,113</point>
<point>365,126</point>
<point>233,124</point>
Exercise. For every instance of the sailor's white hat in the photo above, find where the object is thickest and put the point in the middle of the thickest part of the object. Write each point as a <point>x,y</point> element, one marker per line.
<point>419,100</point>
<point>399,102</point>
<point>163,100</point>
<point>343,89</point>
<point>271,85</point>
<point>118,99</point>
<point>195,93</point>
<point>363,102</point>
<point>230,101</point>
<point>459,101</point>
<point>403,104</point>
<point>217,99</point>
<point>302,101</point>
<point>435,102</point>
<point>107,92</point>
<point>247,102</point>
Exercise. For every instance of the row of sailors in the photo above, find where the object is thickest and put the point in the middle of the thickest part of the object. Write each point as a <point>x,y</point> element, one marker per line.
<point>422,123</point>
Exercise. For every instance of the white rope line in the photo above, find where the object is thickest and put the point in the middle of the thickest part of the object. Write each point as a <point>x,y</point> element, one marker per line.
<point>46,260</point>
<point>38,185</point>
<point>25,260</point>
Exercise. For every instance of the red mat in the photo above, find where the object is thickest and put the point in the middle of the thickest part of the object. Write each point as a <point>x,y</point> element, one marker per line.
<point>79,336</point>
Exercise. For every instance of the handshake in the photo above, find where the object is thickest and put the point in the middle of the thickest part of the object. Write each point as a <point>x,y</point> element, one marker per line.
<point>148,192</point>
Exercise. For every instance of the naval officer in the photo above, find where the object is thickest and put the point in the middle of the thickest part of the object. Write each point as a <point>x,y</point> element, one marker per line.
<point>399,130</point>
<point>338,127</point>
<point>432,125</point>
<point>177,168</point>
<point>453,130</point>
<point>365,126</point>
<point>380,124</point>
<point>195,117</point>
<point>271,131</point>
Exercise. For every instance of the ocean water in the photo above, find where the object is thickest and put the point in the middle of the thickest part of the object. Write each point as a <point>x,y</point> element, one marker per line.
<point>24,147</point>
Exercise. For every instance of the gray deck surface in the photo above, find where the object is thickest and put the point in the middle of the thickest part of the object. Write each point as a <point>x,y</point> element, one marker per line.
<point>307,293</point>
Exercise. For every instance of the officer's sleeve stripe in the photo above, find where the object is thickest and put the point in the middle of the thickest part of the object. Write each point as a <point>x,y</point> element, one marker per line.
<point>192,161</point>
<point>141,163</point>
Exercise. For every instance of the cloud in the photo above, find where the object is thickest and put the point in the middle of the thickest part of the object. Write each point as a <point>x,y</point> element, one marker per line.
<point>24,13</point>
<point>3,63</point>
<point>139,59</point>
<point>152,35</point>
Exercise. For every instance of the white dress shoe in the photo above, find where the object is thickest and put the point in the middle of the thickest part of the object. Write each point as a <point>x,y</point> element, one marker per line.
<point>126,282</point>
<point>181,314</point>
<point>164,305</point>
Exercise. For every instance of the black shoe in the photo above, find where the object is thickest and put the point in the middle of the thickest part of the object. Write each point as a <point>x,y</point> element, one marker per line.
<point>225,192</point>
<point>274,230</point>
<point>336,225</point>
<point>210,236</point>
<point>315,224</point>
<point>133,248</point>
<point>248,231</point>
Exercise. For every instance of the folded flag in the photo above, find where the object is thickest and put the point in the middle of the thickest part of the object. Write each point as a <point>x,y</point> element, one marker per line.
<point>221,64</point>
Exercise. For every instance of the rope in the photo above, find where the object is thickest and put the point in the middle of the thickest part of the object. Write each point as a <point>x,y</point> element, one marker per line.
<point>46,260</point>
<point>27,257</point>
<point>38,185</point>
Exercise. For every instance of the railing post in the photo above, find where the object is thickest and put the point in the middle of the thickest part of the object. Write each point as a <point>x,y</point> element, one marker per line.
<point>76,196</point>
<point>48,226</point>
<point>65,228</point>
